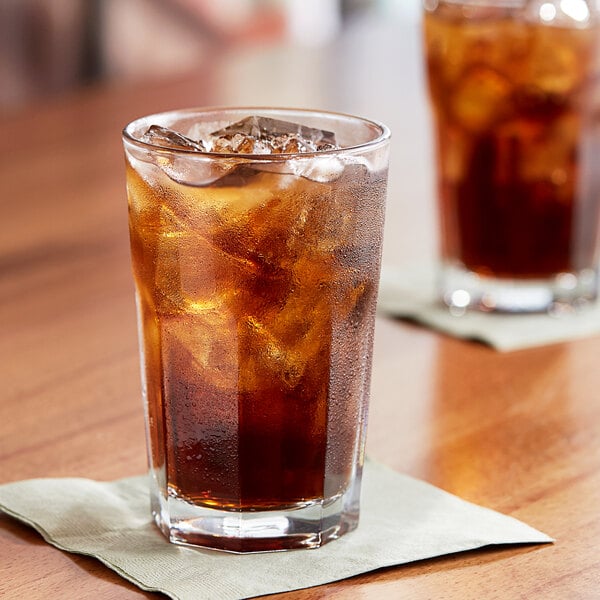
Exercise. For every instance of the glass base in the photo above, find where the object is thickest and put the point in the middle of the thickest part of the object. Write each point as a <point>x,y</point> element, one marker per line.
<point>309,525</point>
<point>463,290</point>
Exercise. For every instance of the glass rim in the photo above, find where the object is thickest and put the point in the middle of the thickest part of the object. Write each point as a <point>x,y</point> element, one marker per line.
<point>593,5</point>
<point>479,3</point>
<point>383,136</point>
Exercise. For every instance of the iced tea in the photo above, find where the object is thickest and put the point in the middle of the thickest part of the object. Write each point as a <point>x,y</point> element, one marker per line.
<point>256,278</point>
<point>513,89</point>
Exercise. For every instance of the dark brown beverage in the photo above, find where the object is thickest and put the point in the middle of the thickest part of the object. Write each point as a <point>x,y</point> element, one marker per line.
<point>256,292</point>
<point>244,328</point>
<point>517,137</point>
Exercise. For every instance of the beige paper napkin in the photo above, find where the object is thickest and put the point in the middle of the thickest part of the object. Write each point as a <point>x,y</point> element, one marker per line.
<point>402,520</point>
<point>410,293</point>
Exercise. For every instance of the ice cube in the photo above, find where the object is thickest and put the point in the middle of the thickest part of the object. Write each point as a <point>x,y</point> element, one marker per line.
<point>266,127</point>
<point>549,155</point>
<point>321,171</point>
<point>557,63</point>
<point>167,138</point>
<point>199,350</point>
<point>192,168</point>
<point>284,347</point>
<point>240,144</point>
<point>479,98</point>
<point>264,135</point>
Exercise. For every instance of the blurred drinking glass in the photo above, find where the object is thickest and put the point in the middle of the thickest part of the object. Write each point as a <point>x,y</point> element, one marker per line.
<point>514,86</point>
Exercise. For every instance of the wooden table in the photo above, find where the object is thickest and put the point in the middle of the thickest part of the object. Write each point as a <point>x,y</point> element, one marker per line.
<point>517,432</point>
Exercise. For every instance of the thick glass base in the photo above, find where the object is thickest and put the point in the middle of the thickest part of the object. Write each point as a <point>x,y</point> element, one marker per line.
<point>462,290</point>
<point>309,525</point>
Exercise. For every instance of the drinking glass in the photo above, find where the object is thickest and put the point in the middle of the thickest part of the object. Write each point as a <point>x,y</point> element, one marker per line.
<point>256,244</point>
<point>514,87</point>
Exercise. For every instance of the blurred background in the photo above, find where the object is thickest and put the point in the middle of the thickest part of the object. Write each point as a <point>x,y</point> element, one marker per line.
<point>357,56</point>
<point>51,46</point>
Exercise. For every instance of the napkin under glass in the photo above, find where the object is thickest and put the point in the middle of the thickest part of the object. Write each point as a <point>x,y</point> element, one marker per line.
<point>410,293</point>
<point>402,520</point>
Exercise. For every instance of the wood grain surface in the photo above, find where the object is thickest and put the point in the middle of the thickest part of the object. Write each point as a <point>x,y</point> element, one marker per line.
<point>517,432</point>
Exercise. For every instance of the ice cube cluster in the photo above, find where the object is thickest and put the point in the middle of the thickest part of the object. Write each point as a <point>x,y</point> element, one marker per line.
<point>252,135</point>
<point>263,144</point>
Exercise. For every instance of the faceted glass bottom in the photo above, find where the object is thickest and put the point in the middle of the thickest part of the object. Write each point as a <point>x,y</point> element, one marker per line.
<point>463,290</point>
<point>309,525</point>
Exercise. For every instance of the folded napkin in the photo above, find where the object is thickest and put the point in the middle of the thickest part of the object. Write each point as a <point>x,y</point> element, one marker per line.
<point>402,520</point>
<point>410,294</point>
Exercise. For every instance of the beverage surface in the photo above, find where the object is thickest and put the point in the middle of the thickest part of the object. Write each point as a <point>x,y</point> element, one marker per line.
<point>257,293</point>
<point>513,98</point>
